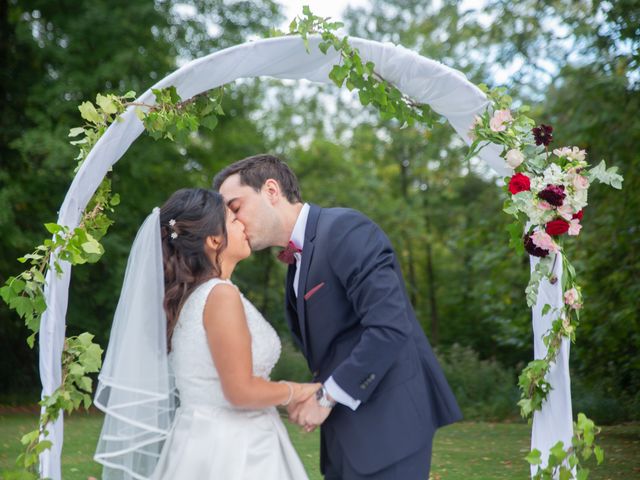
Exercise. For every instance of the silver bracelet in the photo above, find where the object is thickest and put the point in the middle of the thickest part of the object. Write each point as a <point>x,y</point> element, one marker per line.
<point>290,392</point>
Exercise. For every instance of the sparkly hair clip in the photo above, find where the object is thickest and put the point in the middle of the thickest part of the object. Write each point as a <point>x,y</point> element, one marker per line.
<point>172,224</point>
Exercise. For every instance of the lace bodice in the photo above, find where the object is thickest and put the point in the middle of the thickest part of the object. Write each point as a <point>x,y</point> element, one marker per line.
<point>197,379</point>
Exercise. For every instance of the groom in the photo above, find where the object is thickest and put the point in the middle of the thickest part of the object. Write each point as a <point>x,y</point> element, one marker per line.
<point>383,393</point>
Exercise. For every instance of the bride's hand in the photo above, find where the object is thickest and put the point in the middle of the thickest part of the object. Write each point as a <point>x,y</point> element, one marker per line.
<point>302,391</point>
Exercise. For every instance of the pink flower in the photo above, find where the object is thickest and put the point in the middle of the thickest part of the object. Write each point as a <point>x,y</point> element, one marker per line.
<point>574,227</point>
<point>500,117</point>
<point>472,129</point>
<point>542,205</point>
<point>543,240</point>
<point>514,158</point>
<point>580,182</point>
<point>566,212</point>
<point>572,298</point>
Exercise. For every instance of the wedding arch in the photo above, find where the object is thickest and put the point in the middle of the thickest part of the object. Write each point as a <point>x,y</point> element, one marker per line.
<point>426,82</point>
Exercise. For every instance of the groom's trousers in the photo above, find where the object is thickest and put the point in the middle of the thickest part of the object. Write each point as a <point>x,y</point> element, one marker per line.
<point>414,467</point>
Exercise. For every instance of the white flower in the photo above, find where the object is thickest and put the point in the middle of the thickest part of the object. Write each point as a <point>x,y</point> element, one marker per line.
<point>579,200</point>
<point>174,235</point>
<point>571,154</point>
<point>514,158</point>
<point>562,152</point>
<point>172,223</point>
<point>554,175</point>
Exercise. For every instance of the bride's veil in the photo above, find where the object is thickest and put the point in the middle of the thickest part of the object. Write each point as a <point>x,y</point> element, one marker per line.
<point>136,389</point>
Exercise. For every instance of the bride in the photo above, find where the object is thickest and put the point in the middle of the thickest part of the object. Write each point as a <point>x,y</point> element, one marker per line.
<point>185,384</point>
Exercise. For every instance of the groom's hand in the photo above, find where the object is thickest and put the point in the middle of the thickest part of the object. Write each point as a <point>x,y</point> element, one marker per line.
<point>308,414</point>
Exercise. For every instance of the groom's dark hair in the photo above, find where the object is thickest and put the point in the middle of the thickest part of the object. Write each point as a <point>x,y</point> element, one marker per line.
<point>256,170</point>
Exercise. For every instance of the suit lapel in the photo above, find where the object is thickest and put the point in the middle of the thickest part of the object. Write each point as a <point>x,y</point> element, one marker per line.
<point>307,255</point>
<point>290,305</point>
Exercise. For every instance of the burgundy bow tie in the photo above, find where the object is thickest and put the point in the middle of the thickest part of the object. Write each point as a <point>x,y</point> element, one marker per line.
<point>287,255</point>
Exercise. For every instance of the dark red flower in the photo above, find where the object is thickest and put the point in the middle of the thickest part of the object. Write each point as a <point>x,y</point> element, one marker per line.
<point>519,183</point>
<point>542,134</point>
<point>553,195</point>
<point>532,248</point>
<point>557,227</point>
<point>578,215</point>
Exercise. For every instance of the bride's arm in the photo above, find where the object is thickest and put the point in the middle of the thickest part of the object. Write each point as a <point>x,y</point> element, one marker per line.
<point>230,345</point>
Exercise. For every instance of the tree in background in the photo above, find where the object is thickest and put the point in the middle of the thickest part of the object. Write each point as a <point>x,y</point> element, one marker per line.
<point>55,55</point>
<point>576,63</point>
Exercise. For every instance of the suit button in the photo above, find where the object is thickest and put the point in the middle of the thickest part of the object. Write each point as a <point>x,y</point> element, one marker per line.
<point>316,373</point>
<point>372,376</point>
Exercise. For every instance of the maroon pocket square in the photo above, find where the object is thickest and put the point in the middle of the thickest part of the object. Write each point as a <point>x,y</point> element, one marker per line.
<point>310,293</point>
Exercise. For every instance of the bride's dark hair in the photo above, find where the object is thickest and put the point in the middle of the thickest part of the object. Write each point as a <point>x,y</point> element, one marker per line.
<point>187,218</point>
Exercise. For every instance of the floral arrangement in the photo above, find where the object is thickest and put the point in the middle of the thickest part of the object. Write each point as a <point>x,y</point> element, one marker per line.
<point>548,191</point>
<point>547,194</point>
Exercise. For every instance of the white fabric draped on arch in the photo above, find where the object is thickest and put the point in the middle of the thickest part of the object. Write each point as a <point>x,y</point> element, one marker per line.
<point>446,90</point>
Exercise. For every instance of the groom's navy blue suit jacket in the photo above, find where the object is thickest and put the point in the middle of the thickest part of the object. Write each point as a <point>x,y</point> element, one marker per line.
<point>352,319</point>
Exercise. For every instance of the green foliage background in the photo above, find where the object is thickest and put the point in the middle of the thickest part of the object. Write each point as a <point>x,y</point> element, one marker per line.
<point>576,63</point>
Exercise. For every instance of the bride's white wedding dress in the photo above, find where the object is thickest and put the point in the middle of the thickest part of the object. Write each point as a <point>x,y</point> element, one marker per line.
<point>210,438</point>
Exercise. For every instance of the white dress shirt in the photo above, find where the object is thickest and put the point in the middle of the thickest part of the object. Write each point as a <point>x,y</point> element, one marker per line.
<point>297,237</point>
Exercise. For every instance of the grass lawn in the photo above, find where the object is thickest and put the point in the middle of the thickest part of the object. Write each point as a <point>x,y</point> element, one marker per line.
<point>465,451</point>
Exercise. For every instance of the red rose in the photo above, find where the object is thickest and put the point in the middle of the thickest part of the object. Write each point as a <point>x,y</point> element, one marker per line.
<point>578,215</point>
<point>557,227</point>
<point>519,183</point>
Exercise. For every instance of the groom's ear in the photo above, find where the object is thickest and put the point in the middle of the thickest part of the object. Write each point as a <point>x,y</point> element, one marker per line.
<point>271,189</point>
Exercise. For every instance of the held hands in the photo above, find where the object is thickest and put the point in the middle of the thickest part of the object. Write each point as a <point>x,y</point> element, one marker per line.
<point>302,391</point>
<point>306,411</point>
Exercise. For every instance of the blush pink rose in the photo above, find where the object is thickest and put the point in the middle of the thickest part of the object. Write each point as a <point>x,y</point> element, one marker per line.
<point>580,182</point>
<point>574,227</point>
<point>566,212</point>
<point>572,298</point>
<point>542,205</point>
<point>543,240</point>
<point>500,117</point>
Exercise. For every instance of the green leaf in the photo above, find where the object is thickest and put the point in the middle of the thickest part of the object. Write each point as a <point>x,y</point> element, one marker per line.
<point>53,228</point>
<point>76,369</point>
<point>558,451</point>
<point>606,176</point>
<point>106,104</point>
<point>85,339</point>
<point>565,474</point>
<point>582,474</point>
<point>338,73</point>
<point>89,113</point>
<point>599,453</point>
<point>534,457</point>
<point>210,122</point>
<point>140,114</point>
<point>74,132</point>
<point>6,293</point>
<point>22,305</point>
<point>30,437</point>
